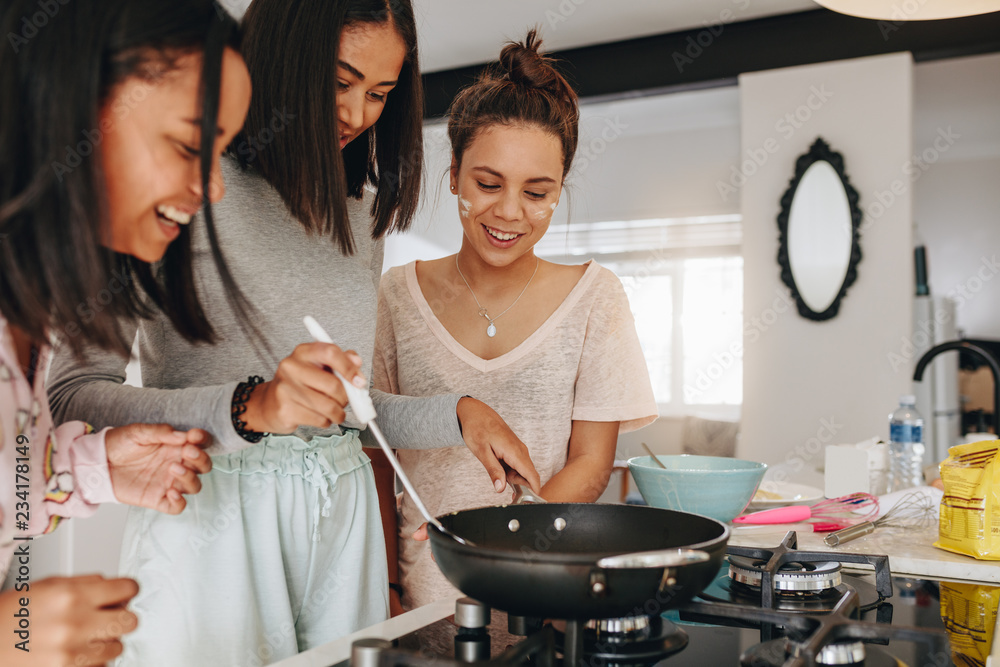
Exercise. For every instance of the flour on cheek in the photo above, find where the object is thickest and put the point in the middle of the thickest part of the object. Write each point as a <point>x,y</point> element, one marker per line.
<point>545,212</point>
<point>465,204</point>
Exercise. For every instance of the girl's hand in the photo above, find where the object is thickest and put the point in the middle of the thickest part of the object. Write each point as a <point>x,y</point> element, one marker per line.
<point>502,453</point>
<point>74,621</point>
<point>304,392</point>
<point>420,535</point>
<point>151,465</point>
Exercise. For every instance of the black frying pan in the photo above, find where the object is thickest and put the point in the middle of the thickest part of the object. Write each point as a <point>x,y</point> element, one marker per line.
<point>554,560</point>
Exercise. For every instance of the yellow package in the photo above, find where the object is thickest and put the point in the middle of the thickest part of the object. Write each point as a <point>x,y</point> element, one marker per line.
<point>969,614</point>
<point>970,508</point>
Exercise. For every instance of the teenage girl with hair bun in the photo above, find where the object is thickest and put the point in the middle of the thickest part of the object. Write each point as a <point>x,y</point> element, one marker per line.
<point>552,348</point>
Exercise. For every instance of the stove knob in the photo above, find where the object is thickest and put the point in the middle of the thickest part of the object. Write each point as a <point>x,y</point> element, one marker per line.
<point>471,614</point>
<point>366,652</point>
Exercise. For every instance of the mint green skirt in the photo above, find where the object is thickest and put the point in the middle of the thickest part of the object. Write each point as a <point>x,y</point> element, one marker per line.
<point>281,551</point>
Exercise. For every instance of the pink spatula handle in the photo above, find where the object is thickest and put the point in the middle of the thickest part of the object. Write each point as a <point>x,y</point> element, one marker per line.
<point>777,515</point>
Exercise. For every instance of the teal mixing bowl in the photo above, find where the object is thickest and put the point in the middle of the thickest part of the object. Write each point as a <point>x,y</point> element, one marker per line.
<point>713,486</point>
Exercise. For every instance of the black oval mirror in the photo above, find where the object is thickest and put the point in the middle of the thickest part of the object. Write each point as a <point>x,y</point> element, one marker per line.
<point>819,220</point>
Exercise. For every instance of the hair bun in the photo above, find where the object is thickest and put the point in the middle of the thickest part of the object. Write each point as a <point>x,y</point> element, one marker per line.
<point>522,88</point>
<point>522,64</point>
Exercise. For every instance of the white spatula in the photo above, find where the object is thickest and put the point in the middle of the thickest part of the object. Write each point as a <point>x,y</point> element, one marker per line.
<point>364,412</point>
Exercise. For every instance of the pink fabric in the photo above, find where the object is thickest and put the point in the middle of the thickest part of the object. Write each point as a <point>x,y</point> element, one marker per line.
<point>65,473</point>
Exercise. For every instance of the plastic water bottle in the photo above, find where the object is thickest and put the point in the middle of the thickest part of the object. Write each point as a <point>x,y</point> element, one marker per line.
<point>906,446</point>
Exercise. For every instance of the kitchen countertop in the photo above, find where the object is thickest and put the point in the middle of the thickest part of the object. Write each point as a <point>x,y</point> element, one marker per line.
<point>910,551</point>
<point>338,651</point>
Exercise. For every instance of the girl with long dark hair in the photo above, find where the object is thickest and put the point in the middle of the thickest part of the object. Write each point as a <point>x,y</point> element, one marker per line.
<point>113,116</point>
<point>283,548</point>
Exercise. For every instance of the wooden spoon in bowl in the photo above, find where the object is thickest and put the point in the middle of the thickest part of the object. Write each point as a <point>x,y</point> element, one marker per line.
<point>650,452</point>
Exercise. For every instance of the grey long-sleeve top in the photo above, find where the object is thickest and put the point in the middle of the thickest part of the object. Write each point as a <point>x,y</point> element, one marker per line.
<point>287,274</point>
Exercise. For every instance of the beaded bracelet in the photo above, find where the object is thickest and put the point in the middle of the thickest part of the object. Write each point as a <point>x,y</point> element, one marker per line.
<point>240,398</point>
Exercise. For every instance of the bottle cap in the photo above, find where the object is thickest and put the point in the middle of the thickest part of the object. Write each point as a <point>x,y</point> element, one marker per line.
<point>908,399</point>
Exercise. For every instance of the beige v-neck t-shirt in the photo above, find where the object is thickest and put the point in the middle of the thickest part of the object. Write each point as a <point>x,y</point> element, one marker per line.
<point>583,363</point>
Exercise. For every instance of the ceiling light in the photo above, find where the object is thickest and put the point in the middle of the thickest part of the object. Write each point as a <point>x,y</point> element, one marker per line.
<point>911,10</point>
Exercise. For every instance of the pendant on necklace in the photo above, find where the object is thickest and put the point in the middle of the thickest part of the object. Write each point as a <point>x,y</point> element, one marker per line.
<point>491,330</point>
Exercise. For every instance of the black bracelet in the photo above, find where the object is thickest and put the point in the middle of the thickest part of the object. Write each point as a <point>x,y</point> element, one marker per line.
<point>397,588</point>
<point>240,398</point>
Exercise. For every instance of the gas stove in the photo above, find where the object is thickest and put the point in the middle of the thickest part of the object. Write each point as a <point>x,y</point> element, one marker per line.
<point>767,607</point>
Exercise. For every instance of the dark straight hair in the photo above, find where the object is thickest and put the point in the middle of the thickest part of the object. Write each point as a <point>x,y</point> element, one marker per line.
<point>291,49</point>
<point>54,271</point>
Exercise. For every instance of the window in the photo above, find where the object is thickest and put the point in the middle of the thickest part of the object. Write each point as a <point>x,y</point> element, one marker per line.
<point>712,328</point>
<point>684,280</point>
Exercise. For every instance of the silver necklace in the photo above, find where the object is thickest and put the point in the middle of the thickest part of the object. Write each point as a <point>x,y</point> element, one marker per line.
<point>491,330</point>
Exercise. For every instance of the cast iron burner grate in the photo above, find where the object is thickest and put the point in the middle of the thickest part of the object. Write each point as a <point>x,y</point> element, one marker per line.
<point>816,637</point>
<point>808,636</point>
<point>786,569</point>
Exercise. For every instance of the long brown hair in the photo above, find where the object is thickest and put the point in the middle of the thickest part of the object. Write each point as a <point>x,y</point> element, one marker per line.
<point>55,275</point>
<point>291,50</point>
<point>523,87</point>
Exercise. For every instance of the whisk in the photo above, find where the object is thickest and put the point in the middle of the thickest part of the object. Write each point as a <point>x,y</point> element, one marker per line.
<point>914,510</point>
<point>842,511</point>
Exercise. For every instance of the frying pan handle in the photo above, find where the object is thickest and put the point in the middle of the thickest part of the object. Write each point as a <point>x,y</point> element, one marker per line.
<point>525,496</point>
<point>670,560</point>
<point>642,560</point>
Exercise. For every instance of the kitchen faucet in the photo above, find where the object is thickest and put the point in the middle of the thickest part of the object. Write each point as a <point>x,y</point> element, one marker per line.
<point>985,355</point>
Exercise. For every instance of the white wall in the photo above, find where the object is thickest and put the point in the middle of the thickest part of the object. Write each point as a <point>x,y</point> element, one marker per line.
<point>806,383</point>
<point>957,208</point>
<point>956,198</point>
